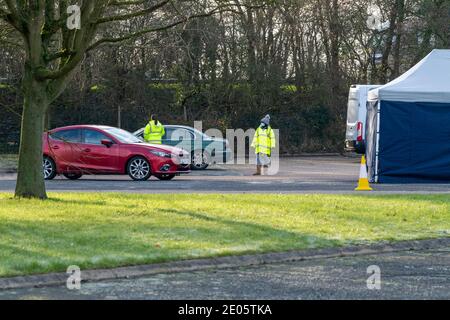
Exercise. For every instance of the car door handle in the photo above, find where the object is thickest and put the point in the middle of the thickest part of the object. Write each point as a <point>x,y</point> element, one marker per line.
<point>87,150</point>
<point>55,147</point>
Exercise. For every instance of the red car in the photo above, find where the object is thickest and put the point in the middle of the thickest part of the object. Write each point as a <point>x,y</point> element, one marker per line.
<point>85,149</point>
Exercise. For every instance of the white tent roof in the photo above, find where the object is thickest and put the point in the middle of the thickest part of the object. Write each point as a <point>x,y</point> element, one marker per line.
<point>427,81</point>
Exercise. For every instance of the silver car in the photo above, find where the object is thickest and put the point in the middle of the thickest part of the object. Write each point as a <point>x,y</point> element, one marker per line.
<point>204,149</point>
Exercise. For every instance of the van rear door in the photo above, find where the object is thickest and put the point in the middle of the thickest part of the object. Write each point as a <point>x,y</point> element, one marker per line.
<point>352,114</point>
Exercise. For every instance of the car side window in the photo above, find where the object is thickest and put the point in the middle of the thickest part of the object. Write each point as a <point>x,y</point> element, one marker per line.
<point>168,134</point>
<point>189,135</point>
<point>93,137</point>
<point>70,135</point>
<point>182,134</point>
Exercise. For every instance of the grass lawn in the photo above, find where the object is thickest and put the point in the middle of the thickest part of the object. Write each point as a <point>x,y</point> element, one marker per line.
<point>108,230</point>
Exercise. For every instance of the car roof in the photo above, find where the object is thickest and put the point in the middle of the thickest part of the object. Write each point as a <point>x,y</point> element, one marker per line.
<point>171,126</point>
<point>83,126</point>
<point>179,126</point>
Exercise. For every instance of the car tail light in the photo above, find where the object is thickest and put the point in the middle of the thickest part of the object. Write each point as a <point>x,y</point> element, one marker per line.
<point>360,131</point>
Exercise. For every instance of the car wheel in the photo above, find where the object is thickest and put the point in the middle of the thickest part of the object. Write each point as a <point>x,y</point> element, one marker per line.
<point>165,176</point>
<point>49,168</point>
<point>200,160</point>
<point>73,176</point>
<point>138,169</point>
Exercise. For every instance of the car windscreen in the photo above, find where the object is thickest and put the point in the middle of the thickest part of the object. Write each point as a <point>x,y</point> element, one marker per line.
<point>123,136</point>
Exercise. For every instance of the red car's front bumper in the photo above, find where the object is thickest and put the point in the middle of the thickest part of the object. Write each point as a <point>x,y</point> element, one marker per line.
<point>169,167</point>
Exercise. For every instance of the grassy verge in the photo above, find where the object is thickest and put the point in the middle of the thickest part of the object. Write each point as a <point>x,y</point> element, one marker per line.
<point>108,230</point>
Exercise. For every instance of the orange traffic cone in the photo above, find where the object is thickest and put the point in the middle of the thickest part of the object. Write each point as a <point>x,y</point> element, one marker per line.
<point>363,183</point>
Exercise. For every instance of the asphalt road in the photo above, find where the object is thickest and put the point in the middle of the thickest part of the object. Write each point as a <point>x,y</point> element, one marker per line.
<point>404,275</point>
<point>309,174</point>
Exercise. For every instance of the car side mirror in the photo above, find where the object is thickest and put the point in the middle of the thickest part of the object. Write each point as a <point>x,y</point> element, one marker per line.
<point>106,142</point>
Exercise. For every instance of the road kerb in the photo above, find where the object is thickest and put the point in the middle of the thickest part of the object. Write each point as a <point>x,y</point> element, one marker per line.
<point>55,279</point>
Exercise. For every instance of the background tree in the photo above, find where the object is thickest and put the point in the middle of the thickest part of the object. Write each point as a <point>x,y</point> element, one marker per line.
<point>52,52</point>
<point>293,58</point>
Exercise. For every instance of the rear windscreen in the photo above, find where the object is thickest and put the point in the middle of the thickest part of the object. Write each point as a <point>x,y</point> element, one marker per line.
<point>352,109</point>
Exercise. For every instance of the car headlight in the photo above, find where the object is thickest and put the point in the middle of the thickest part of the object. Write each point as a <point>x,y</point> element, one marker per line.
<point>161,154</point>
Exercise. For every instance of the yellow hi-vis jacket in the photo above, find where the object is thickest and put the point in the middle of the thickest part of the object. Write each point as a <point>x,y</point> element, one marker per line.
<point>264,140</point>
<point>154,132</point>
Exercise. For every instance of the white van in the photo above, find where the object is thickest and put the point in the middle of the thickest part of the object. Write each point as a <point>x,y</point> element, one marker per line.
<point>356,118</point>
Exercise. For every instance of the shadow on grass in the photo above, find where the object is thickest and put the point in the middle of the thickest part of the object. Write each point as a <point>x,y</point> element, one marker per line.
<point>77,201</point>
<point>35,245</point>
<point>240,230</point>
<point>48,246</point>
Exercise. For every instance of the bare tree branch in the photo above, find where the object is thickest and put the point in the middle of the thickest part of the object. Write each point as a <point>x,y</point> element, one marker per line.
<point>12,8</point>
<point>75,44</point>
<point>57,55</point>
<point>3,13</point>
<point>134,14</point>
<point>126,3</point>
<point>12,43</point>
<point>155,29</point>
<point>13,16</point>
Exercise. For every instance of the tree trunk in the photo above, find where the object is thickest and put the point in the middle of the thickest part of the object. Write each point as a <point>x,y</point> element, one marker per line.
<point>30,179</point>
<point>384,70</point>
<point>251,49</point>
<point>398,40</point>
<point>335,30</point>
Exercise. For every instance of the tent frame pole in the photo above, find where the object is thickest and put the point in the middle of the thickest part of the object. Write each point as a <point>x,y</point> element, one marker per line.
<point>377,144</point>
